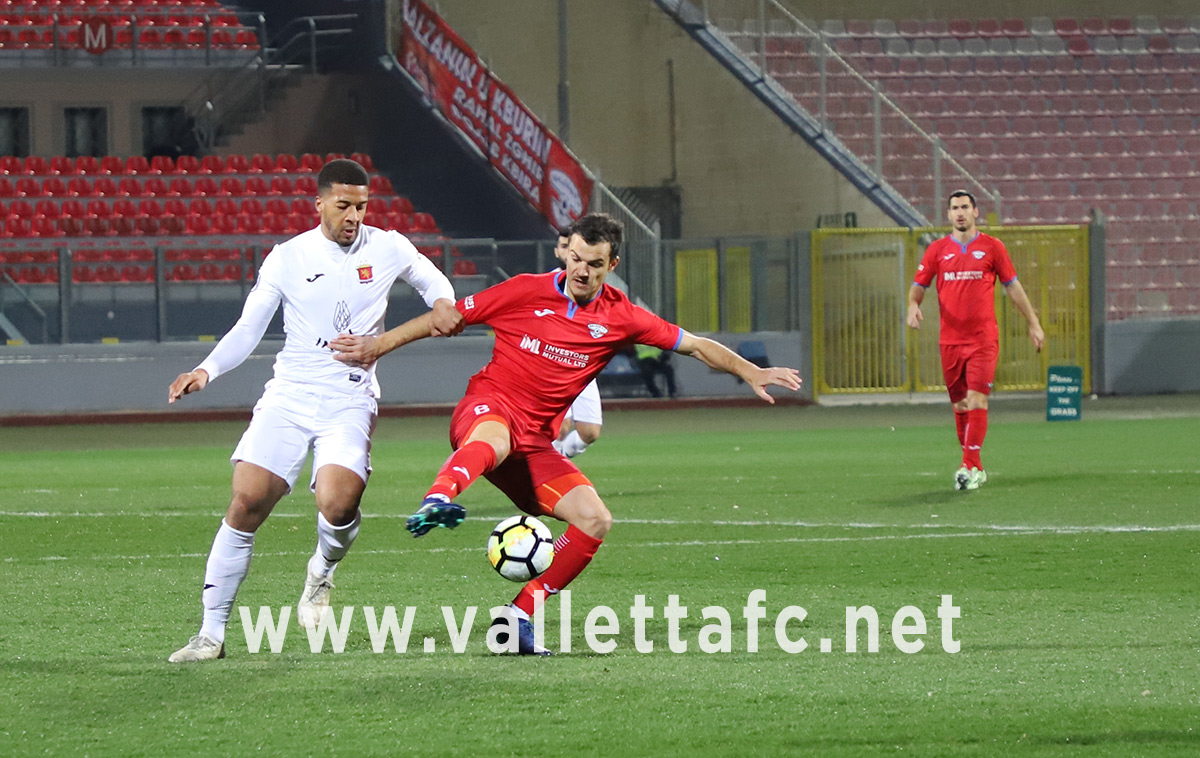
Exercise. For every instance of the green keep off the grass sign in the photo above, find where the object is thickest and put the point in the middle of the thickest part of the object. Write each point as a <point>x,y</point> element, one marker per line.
<point>1064,391</point>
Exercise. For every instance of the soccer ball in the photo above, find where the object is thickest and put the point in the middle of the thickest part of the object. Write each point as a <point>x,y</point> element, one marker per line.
<point>520,548</point>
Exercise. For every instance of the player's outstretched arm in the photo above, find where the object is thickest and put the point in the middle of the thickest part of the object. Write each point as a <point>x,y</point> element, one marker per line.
<point>445,320</point>
<point>916,294</point>
<point>358,350</point>
<point>715,355</point>
<point>1021,301</point>
<point>186,384</point>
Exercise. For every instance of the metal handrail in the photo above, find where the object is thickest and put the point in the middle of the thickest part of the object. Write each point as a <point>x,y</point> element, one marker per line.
<point>826,53</point>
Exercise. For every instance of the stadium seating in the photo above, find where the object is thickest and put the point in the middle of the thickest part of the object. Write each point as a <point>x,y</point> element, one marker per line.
<point>145,24</point>
<point>259,198</point>
<point>1060,115</point>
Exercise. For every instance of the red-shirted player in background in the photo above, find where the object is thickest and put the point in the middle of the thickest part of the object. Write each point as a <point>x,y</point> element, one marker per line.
<point>966,264</point>
<point>554,333</point>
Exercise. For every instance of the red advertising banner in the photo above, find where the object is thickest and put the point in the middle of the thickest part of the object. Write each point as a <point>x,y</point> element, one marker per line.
<point>487,112</point>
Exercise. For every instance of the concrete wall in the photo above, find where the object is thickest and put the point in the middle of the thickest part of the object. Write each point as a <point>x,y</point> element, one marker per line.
<point>1149,357</point>
<point>740,169</point>
<point>134,377</point>
<point>123,91</point>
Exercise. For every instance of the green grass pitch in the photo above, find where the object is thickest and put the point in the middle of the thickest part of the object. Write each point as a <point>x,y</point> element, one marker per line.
<point>1075,569</point>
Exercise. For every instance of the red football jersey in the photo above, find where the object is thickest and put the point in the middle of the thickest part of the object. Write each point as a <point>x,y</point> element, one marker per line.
<point>966,281</point>
<point>548,347</point>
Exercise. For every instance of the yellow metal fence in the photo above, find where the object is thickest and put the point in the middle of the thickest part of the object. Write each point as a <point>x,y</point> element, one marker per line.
<point>860,283</point>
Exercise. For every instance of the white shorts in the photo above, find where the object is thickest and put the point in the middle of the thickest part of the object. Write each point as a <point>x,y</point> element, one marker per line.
<point>586,407</point>
<point>290,418</point>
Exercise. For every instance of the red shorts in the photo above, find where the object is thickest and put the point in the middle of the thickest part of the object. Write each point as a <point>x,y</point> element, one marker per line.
<point>969,367</point>
<point>534,476</point>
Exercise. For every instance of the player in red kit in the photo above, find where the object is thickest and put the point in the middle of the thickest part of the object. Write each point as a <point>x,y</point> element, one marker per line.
<point>554,333</point>
<point>966,265</point>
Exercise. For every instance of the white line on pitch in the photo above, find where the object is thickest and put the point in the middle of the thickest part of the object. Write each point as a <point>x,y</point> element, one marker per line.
<point>1005,532</point>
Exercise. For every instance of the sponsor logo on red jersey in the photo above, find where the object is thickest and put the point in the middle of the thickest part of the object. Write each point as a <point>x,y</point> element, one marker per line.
<point>597,330</point>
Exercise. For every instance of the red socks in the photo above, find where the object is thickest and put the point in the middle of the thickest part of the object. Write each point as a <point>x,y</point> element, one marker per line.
<point>467,464</point>
<point>573,551</point>
<point>973,441</point>
<point>960,424</point>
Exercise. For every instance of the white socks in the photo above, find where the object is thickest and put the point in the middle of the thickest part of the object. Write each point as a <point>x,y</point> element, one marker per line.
<point>333,542</point>
<point>228,564</point>
<point>571,445</point>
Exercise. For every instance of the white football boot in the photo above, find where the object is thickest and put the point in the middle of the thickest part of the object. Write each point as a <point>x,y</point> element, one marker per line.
<point>313,600</point>
<point>199,648</point>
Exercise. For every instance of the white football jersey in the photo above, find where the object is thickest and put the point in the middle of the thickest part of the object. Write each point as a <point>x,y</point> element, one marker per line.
<point>326,290</point>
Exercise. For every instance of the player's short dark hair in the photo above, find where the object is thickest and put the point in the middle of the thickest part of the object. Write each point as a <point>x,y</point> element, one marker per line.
<point>564,231</point>
<point>961,193</point>
<point>599,227</point>
<point>341,171</point>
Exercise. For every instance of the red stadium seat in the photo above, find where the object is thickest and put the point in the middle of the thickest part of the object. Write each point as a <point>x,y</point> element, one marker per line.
<point>111,164</point>
<point>74,207</point>
<point>199,225</point>
<point>22,208</point>
<point>163,164</point>
<point>36,165</point>
<point>281,185</point>
<point>10,164</point>
<point>286,163</point>
<point>123,226</point>
<point>233,186</point>
<point>275,224</point>
<point>303,206</point>
<point>306,185</point>
<point>224,224</point>
<point>213,164</point>
<point>99,208</point>
<point>47,209</point>
<point>47,227</point>
<point>311,162</point>
<point>7,188</point>
<point>207,186</point>
<point>364,160</point>
<point>156,187</point>
<point>200,207</point>
<point>175,207</point>
<point>225,206</point>
<point>147,225</point>
<point>131,187</point>
<point>105,186</point>
<point>257,185</point>
<point>87,164</point>
<point>253,206</point>
<point>249,223</point>
<point>299,222</point>
<point>277,206</point>
<point>381,185</point>
<point>189,164</point>
<point>72,227</point>
<point>137,164</point>
<point>150,207</point>
<point>238,164</point>
<point>261,162</point>
<point>97,227</point>
<point>54,186</point>
<point>81,187</point>
<point>61,164</point>
<point>182,187</point>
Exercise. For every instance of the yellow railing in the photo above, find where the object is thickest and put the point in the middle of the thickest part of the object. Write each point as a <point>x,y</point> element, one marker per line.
<point>860,282</point>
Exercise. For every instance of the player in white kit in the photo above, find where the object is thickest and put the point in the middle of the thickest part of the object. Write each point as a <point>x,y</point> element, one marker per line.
<point>334,279</point>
